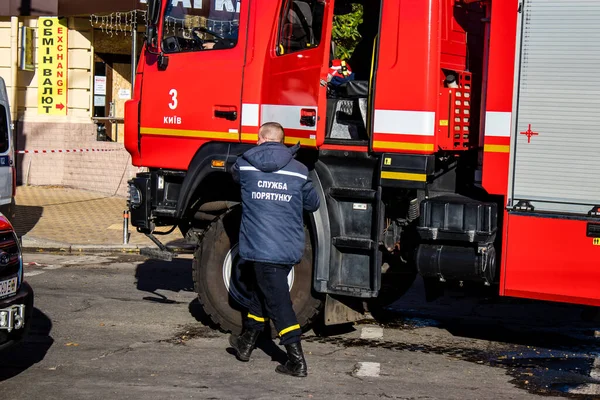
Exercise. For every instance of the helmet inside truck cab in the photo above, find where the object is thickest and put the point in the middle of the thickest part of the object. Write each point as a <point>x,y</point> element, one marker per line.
<point>298,30</point>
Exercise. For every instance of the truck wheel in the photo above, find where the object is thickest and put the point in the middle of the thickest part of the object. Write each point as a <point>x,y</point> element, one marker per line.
<point>220,279</point>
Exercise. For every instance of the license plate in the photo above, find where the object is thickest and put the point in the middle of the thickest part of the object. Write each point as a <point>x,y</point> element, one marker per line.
<point>8,287</point>
<point>12,317</point>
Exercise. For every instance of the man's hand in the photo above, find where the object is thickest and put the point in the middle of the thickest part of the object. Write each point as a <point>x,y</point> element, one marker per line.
<point>235,172</point>
<point>208,45</point>
<point>310,198</point>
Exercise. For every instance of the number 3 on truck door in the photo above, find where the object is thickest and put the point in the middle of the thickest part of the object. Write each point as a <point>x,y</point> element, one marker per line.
<point>173,94</point>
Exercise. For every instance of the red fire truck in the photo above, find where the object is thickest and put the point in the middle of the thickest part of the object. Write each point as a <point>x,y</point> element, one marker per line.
<point>463,149</point>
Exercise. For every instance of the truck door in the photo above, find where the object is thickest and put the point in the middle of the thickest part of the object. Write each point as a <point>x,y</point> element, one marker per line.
<point>7,173</point>
<point>407,67</point>
<point>293,95</point>
<point>195,89</point>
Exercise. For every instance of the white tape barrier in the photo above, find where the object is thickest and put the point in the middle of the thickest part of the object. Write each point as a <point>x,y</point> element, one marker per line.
<point>65,151</point>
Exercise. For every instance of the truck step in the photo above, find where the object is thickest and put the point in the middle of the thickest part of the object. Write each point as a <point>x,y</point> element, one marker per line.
<point>349,242</point>
<point>354,291</point>
<point>167,212</point>
<point>351,193</point>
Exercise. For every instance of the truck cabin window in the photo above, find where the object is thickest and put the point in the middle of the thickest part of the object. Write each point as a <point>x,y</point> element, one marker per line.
<point>200,26</point>
<point>301,25</point>
<point>4,130</point>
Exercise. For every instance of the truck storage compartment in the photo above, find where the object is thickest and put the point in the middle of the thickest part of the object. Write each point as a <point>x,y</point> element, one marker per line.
<point>555,137</point>
<point>458,235</point>
<point>551,259</point>
<point>458,218</point>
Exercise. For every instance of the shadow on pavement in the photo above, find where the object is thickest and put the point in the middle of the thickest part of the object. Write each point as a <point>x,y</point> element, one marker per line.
<point>271,349</point>
<point>264,342</point>
<point>545,326</point>
<point>267,346</point>
<point>173,276</point>
<point>200,315</point>
<point>26,218</point>
<point>156,275</point>
<point>31,350</point>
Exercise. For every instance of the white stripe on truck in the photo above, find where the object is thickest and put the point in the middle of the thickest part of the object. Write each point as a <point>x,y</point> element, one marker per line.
<point>497,123</point>
<point>399,122</point>
<point>287,116</point>
<point>250,115</point>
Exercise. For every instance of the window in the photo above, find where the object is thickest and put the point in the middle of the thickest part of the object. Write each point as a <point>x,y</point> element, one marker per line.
<point>301,25</point>
<point>4,129</point>
<point>190,26</point>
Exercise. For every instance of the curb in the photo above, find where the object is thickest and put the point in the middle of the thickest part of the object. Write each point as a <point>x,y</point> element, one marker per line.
<point>36,245</point>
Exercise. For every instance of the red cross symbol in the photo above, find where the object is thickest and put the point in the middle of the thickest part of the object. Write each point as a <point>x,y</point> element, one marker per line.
<point>529,133</point>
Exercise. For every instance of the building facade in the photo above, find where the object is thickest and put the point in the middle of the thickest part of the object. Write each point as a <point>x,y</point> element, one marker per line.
<point>68,80</point>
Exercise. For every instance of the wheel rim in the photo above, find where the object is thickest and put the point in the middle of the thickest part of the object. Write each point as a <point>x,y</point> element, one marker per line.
<point>236,287</point>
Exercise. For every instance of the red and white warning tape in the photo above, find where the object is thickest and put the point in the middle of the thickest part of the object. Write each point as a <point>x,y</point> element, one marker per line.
<point>64,151</point>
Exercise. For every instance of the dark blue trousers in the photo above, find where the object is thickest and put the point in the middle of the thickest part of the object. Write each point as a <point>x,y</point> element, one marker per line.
<point>271,299</point>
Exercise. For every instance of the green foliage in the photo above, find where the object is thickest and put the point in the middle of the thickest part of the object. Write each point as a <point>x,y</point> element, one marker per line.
<point>345,33</point>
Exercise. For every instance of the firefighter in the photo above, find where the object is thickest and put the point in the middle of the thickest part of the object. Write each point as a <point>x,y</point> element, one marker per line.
<point>275,192</point>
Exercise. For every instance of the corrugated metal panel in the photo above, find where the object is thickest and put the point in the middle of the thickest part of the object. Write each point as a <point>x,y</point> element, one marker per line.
<point>559,95</point>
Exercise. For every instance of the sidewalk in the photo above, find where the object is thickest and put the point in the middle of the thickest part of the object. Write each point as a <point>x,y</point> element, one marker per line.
<point>56,218</point>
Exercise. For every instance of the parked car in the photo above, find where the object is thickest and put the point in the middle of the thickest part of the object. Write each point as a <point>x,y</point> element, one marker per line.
<point>16,296</point>
<point>7,156</point>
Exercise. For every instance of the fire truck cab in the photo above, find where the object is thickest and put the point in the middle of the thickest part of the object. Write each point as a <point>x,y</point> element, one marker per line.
<point>455,150</point>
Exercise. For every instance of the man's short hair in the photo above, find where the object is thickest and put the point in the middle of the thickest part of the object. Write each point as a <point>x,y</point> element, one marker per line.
<point>272,132</point>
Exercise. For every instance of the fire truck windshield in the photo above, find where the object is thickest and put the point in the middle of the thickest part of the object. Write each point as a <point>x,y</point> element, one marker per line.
<point>192,25</point>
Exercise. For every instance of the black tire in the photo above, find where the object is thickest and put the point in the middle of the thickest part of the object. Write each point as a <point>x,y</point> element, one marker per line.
<point>219,304</point>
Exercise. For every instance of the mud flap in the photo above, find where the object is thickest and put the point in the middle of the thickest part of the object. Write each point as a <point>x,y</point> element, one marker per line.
<point>337,312</point>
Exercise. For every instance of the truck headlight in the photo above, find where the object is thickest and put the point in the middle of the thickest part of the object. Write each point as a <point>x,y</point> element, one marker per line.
<point>135,196</point>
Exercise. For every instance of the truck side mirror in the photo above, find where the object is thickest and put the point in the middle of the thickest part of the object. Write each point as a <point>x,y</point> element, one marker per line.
<point>153,11</point>
<point>154,7</point>
<point>150,33</point>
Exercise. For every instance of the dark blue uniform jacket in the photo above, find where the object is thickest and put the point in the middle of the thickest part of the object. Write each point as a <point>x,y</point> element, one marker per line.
<point>275,191</point>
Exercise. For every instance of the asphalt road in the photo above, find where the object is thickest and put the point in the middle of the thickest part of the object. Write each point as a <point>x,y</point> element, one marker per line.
<point>125,328</point>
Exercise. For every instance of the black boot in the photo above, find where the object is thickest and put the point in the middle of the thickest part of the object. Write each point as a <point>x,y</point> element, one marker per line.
<point>296,364</point>
<point>244,344</point>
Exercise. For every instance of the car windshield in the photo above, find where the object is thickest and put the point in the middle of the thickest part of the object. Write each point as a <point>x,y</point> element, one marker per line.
<point>199,25</point>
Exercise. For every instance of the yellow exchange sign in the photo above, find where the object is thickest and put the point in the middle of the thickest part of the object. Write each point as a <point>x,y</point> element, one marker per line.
<point>52,66</point>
